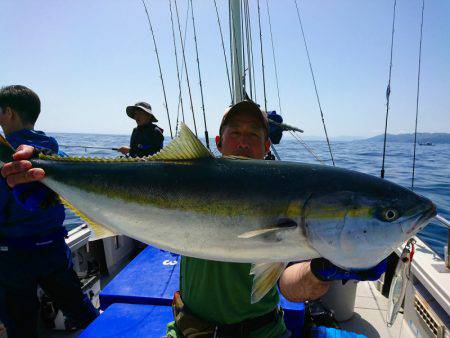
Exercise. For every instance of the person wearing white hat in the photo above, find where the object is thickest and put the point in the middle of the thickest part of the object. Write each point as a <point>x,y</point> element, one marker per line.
<point>147,138</point>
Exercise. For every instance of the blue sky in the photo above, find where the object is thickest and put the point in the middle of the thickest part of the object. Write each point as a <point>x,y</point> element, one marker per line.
<point>89,59</point>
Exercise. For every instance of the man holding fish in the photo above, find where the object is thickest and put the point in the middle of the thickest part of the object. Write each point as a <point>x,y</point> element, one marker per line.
<point>32,247</point>
<point>217,297</point>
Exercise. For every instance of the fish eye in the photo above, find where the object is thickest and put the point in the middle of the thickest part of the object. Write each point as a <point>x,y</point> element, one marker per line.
<point>390,215</point>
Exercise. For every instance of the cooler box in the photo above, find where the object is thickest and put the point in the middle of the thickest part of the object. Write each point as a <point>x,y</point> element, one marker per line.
<point>294,316</point>
<point>328,332</point>
<point>153,277</point>
<point>130,321</point>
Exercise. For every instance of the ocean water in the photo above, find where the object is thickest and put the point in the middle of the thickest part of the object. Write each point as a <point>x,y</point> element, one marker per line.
<point>432,176</point>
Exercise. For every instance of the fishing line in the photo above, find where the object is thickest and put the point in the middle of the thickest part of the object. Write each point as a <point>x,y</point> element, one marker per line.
<point>182,68</point>
<point>224,51</point>
<point>307,147</point>
<point>273,56</point>
<point>180,95</point>
<point>263,74</point>
<point>159,67</point>
<point>417,97</point>
<point>388,92</point>
<point>199,75</point>
<point>314,81</point>
<point>185,68</point>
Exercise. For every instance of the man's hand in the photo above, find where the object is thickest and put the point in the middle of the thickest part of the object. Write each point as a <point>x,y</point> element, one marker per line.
<point>20,170</point>
<point>124,150</point>
<point>324,270</point>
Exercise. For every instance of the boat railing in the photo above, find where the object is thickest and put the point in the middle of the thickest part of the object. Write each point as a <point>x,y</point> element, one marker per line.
<point>446,224</point>
<point>447,252</point>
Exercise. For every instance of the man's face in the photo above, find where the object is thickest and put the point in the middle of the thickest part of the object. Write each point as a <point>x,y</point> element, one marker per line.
<point>141,117</point>
<point>6,118</point>
<point>244,135</point>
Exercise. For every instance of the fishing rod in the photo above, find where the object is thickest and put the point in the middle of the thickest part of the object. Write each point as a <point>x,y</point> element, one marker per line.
<point>284,126</point>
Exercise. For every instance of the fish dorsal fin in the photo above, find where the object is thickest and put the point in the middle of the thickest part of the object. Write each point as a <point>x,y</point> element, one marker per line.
<point>185,147</point>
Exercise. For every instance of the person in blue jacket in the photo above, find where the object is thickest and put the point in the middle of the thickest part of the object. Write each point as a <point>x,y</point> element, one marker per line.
<point>32,247</point>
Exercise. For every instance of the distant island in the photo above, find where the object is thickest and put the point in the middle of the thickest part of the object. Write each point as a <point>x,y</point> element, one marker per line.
<point>432,138</point>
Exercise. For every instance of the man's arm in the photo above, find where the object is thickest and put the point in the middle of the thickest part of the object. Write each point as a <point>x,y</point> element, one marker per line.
<point>298,283</point>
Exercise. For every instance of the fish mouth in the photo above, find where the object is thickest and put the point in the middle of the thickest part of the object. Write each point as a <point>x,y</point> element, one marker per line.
<point>421,220</point>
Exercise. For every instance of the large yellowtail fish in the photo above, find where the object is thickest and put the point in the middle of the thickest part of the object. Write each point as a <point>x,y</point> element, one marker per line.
<point>187,201</point>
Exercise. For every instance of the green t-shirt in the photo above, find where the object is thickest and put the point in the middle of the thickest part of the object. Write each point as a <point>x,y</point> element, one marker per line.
<point>220,292</point>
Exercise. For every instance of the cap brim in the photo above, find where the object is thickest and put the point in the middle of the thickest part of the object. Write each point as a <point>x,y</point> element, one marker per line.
<point>247,106</point>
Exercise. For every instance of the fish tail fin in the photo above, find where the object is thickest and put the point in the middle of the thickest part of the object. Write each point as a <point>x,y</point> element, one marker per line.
<point>6,151</point>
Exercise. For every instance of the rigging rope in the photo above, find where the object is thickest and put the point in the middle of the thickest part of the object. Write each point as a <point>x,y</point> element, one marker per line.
<point>251,52</point>
<point>232,56</point>
<point>262,58</point>
<point>185,68</point>
<point>159,66</point>
<point>243,45</point>
<point>248,43</point>
<point>180,96</point>
<point>199,75</point>
<point>388,91</point>
<point>314,81</point>
<point>417,97</point>
<point>273,56</point>
<point>223,49</point>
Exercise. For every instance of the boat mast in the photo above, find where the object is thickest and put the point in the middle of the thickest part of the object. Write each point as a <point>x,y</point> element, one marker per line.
<point>237,66</point>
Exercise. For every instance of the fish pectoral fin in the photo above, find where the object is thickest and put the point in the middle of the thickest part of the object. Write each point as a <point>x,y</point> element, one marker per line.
<point>283,224</point>
<point>98,230</point>
<point>265,275</point>
<point>184,147</point>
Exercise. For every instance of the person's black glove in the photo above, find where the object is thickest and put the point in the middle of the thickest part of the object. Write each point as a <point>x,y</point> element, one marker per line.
<point>326,271</point>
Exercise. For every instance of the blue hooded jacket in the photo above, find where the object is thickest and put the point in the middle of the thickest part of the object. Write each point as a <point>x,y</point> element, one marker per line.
<point>23,223</point>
